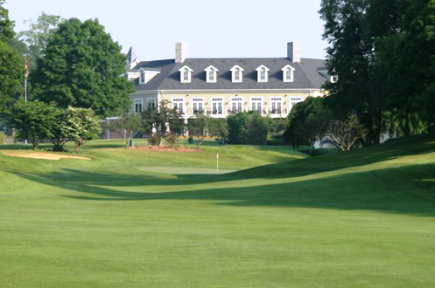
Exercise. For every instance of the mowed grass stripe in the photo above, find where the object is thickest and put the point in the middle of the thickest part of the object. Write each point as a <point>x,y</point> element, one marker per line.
<point>363,219</point>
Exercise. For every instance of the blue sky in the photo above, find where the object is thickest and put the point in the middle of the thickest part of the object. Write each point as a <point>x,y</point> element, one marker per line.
<point>220,28</point>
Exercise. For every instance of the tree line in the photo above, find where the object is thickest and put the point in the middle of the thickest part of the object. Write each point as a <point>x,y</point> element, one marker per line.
<point>71,65</point>
<point>381,57</point>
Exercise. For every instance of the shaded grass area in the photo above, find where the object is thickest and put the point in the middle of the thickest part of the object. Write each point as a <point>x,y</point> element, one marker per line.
<point>360,219</point>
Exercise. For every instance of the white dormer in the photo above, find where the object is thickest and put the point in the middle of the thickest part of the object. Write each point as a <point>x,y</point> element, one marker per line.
<point>211,74</point>
<point>146,74</point>
<point>185,74</point>
<point>262,73</point>
<point>288,73</point>
<point>237,74</point>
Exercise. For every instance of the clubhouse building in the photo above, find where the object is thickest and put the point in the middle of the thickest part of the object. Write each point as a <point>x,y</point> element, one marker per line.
<point>222,86</point>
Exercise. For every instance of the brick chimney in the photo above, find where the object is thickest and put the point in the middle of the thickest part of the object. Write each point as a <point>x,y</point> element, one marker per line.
<point>180,52</point>
<point>294,51</point>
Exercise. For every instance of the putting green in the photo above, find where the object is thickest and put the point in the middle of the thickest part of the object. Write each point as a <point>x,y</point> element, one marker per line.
<point>184,170</point>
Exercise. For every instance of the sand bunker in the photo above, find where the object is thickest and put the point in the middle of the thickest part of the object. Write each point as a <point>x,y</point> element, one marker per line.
<point>47,156</point>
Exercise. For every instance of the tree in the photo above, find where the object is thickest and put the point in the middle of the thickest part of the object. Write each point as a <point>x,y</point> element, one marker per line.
<point>35,120</point>
<point>128,124</point>
<point>6,25</point>
<point>248,128</point>
<point>311,121</point>
<point>307,122</point>
<point>81,125</point>
<point>344,133</point>
<point>82,67</point>
<point>11,64</point>
<point>37,37</point>
<point>156,121</point>
<point>200,125</point>
<point>351,57</point>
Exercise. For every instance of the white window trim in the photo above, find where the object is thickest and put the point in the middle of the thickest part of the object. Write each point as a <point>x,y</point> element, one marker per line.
<point>190,71</point>
<point>152,100</point>
<point>256,101</point>
<point>202,101</point>
<point>212,69</point>
<point>217,102</point>
<point>141,71</point>
<point>333,79</point>
<point>294,102</point>
<point>276,101</point>
<point>292,73</point>
<point>238,101</point>
<point>138,101</point>
<point>183,102</point>
<point>259,69</point>
<point>233,77</point>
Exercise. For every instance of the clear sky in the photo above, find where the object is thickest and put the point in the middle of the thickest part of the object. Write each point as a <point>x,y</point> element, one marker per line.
<point>219,28</point>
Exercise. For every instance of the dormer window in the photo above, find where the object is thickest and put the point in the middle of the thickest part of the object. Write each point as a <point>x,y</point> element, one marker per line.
<point>263,73</point>
<point>237,74</point>
<point>147,74</point>
<point>211,74</point>
<point>288,73</point>
<point>142,77</point>
<point>185,74</point>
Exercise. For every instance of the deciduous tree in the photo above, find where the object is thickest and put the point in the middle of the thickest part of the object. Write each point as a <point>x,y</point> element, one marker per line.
<point>81,125</point>
<point>83,67</point>
<point>11,64</point>
<point>35,121</point>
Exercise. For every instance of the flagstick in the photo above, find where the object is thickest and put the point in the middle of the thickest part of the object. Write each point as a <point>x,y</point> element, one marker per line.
<point>217,162</point>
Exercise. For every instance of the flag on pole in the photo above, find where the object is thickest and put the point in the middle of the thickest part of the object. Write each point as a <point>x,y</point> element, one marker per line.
<point>26,73</point>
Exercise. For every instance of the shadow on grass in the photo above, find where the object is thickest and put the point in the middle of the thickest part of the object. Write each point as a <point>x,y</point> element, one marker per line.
<point>404,190</point>
<point>412,146</point>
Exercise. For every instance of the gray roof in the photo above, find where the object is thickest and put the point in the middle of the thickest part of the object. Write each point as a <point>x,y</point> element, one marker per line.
<point>131,55</point>
<point>306,75</point>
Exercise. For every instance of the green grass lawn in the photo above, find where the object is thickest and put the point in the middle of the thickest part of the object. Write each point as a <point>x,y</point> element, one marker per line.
<point>164,219</point>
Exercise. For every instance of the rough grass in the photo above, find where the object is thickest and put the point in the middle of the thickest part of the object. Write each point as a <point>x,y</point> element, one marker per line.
<point>162,219</point>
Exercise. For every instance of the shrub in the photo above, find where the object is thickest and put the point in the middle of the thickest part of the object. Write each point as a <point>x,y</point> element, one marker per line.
<point>171,139</point>
<point>154,140</point>
<point>248,128</point>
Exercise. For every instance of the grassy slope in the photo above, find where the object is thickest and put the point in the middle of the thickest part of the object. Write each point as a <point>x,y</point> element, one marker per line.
<point>136,219</point>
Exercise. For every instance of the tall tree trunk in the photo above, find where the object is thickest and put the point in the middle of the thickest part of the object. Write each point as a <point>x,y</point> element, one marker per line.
<point>407,123</point>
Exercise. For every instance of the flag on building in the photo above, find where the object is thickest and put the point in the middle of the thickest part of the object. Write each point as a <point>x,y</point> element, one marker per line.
<point>26,67</point>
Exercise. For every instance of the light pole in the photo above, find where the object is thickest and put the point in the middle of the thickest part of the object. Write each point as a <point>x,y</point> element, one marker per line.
<point>26,74</point>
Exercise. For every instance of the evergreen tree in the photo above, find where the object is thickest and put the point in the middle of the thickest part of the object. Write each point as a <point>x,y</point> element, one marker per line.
<point>83,67</point>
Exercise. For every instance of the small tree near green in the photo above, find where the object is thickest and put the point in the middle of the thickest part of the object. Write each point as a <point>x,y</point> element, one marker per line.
<point>81,125</point>
<point>35,120</point>
<point>200,125</point>
<point>128,125</point>
<point>159,119</point>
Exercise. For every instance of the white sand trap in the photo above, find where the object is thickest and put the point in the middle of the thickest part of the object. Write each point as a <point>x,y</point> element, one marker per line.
<point>47,156</point>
